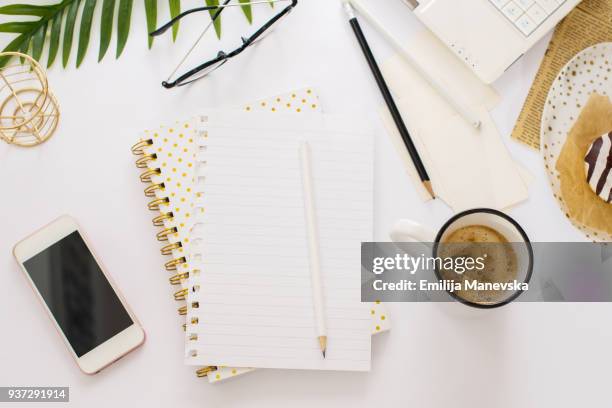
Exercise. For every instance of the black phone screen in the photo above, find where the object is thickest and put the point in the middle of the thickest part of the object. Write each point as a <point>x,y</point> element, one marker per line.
<point>78,294</point>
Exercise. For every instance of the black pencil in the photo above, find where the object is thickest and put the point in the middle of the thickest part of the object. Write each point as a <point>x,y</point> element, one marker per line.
<point>384,89</point>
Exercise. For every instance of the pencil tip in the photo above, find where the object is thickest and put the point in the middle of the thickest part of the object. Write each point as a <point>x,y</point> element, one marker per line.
<point>427,185</point>
<point>323,344</point>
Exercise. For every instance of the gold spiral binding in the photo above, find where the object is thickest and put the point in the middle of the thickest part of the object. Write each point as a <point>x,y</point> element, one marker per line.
<point>147,176</point>
<point>173,264</point>
<point>181,294</point>
<point>204,371</point>
<point>150,190</point>
<point>155,204</point>
<point>138,148</point>
<point>163,235</point>
<point>167,250</point>
<point>159,220</point>
<point>178,278</point>
<point>142,163</point>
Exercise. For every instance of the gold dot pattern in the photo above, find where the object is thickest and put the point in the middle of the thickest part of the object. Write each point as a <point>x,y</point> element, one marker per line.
<point>303,100</point>
<point>173,144</point>
<point>170,146</point>
<point>175,151</point>
<point>588,72</point>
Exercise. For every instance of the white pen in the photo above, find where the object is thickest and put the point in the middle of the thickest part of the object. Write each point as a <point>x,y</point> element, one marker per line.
<point>465,112</point>
<point>313,245</point>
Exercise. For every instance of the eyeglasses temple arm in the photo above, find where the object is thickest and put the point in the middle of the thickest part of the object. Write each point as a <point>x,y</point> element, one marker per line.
<point>266,26</point>
<point>170,23</point>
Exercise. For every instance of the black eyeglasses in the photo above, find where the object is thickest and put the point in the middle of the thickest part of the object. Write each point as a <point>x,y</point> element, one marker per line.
<point>206,68</point>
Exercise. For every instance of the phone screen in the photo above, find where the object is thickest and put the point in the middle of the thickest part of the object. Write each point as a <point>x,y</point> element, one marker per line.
<point>78,294</point>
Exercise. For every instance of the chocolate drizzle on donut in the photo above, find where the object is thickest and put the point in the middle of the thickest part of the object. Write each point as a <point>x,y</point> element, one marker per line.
<point>591,157</point>
<point>598,165</point>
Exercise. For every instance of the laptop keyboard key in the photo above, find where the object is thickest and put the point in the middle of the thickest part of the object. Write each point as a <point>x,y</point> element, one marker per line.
<point>526,24</point>
<point>499,3</point>
<point>527,15</point>
<point>548,5</point>
<point>537,14</point>
<point>512,11</point>
<point>525,4</point>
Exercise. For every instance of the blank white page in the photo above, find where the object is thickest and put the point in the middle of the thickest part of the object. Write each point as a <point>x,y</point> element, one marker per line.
<point>251,301</point>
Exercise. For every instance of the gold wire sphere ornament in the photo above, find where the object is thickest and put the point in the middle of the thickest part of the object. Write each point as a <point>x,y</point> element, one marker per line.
<point>29,112</point>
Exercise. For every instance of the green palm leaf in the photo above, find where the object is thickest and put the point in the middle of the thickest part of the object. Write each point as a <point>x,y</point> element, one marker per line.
<point>106,27</point>
<point>246,9</point>
<point>123,24</point>
<point>56,29</point>
<point>38,41</point>
<point>86,20</point>
<point>151,12</point>
<point>27,10</point>
<point>55,25</point>
<point>175,10</point>
<point>16,27</point>
<point>71,15</point>
<point>217,23</point>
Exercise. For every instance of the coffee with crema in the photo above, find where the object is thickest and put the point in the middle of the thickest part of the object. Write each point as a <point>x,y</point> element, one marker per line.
<point>498,263</point>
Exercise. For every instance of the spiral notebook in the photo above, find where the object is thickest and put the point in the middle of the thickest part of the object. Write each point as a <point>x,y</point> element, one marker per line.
<point>155,149</point>
<point>250,303</point>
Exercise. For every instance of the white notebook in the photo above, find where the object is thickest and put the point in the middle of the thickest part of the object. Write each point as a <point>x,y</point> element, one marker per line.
<point>250,302</point>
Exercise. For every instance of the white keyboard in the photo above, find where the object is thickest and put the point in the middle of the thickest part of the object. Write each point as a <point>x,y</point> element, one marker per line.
<point>527,15</point>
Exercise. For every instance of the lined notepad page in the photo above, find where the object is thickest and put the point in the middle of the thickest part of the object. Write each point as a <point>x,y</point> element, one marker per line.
<point>251,298</point>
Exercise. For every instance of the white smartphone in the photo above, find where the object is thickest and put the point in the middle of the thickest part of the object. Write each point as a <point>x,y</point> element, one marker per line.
<point>87,309</point>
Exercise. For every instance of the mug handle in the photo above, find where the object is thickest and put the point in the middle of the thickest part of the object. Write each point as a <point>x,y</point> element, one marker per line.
<point>410,231</point>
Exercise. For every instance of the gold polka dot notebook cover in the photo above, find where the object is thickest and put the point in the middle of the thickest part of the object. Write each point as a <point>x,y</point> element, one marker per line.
<point>302,100</point>
<point>166,156</point>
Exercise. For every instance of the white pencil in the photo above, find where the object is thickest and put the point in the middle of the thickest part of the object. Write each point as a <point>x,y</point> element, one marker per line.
<point>465,112</point>
<point>313,246</point>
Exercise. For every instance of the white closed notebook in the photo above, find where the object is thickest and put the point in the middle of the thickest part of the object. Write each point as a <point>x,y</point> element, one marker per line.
<point>251,300</point>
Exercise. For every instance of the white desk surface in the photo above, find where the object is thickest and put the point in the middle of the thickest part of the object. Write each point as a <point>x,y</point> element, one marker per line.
<point>522,355</point>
